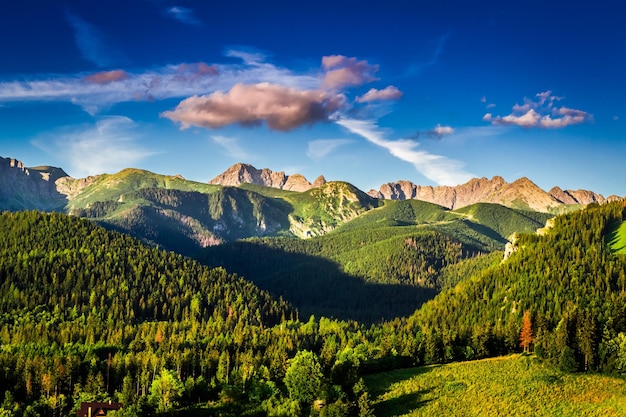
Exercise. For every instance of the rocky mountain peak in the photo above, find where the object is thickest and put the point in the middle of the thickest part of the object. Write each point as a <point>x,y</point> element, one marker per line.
<point>521,193</point>
<point>29,188</point>
<point>241,173</point>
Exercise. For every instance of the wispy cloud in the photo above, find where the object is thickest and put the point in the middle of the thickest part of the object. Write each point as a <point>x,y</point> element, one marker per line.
<point>183,15</point>
<point>541,112</point>
<point>109,145</point>
<point>318,149</point>
<point>437,132</point>
<point>96,91</point>
<point>387,93</point>
<point>437,51</point>
<point>233,148</point>
<point>436,168</point>
<point>91,42</point>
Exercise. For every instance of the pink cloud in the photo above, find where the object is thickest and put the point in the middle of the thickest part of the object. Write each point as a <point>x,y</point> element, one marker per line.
<point>387,93</point>
<point>541,113</point>
<point>442,130</point>
<point>529,119</point>
<point>342,71</point>
<point>334,61</point>
<point>106,77</point>
<point>199,69</point>
<point>282,108</point>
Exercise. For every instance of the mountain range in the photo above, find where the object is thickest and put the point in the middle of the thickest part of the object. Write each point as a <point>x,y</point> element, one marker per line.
<point>522,193</point>
<point>245,202</point>
<point>50,188</point>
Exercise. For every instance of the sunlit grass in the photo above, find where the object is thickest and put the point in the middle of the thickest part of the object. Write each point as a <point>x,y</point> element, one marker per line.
<point>617,238</point>
<point>508,386</point>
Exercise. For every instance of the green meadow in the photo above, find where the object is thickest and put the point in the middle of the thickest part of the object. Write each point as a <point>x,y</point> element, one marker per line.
<point>506,386</point>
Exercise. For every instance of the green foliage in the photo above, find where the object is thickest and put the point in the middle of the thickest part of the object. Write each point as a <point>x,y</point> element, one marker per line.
<point>303,378</point>
<point>166,390</point>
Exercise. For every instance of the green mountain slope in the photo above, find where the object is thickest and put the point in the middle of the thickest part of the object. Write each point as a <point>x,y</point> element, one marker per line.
<point>187,220</point>
<point>111,187</point>
<point>504,220</point>
<point>402,213</point>
<point>384,263</point>
<point>185,216</point>
<point>570,281</point>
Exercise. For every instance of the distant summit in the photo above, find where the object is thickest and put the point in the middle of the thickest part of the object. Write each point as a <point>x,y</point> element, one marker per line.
<point>24,188</point>
<point>522,194</point>
<point>247,174</point>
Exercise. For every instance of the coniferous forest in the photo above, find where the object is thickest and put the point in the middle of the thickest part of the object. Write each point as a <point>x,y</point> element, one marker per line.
<point>88,314</point>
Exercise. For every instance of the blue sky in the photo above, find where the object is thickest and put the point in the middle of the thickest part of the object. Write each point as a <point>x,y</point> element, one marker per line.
<point>365,92</point>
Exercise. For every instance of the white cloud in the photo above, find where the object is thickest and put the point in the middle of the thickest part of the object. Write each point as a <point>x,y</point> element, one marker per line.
<point>106,146</point>
<point>183,15</point>
<point>541,113</point>
<point>318,149</point>
<point>442,130</point>
<point>436,168</point>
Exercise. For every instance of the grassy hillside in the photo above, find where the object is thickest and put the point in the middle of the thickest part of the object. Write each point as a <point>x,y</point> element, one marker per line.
<point>505,386</point>
<point>320,210</point>
<point>504,220</point>
<point>401,213</point>
<point>112,187</point>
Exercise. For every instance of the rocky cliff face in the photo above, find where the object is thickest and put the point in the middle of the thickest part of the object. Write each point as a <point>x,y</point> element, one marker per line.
<point>521,193</point>
<point>245,173</point>
<point>23,188</point>
<point>579,196</point>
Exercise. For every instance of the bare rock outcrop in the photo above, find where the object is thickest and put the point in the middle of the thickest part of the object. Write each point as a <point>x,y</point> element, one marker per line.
<point>22,187</point>
<point>521,193</point>
<point>245,173</point>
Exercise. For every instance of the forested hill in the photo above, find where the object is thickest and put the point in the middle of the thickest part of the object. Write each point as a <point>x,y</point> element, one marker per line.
<point>568,279</point>
<point>54,262</point>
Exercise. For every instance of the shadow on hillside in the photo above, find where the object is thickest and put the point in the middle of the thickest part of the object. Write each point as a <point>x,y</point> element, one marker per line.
<point>315,285</point>
<point>402,405</point>
<point>186,221</point>
<point>487,231</point>
<point>384,382</point>
<point>381,382</point>
<point>614,237</point>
